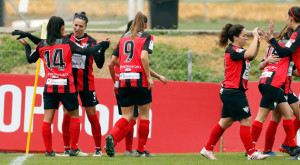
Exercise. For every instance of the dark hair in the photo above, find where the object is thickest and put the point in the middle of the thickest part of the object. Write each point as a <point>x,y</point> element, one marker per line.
<point>228,32</point>
<point>53,29</point>
<point>138,24</point>
<point>129,26</point>
<point>285,33</point>
<point>82,16</point>
<point>295,13</point>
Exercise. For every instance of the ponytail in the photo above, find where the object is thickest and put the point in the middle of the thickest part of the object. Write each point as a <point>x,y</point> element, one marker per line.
<point>228,32</point>
<point>138,24</point>
<point>53,29</point>
<point>284,34</point>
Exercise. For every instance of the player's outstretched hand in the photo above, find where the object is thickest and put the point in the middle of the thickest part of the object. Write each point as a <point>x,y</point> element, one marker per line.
<point>21,34</point>
<point>108,40</point>
<point>265,36</point>
<point>23,42</point>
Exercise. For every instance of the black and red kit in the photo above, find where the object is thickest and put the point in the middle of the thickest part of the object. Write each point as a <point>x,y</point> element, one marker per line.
<point>132,73</point>
<point>57,60</point>
<point>83,64</point>
<point>236,68</point>
<point>291,48</point>
<point>275,74</point>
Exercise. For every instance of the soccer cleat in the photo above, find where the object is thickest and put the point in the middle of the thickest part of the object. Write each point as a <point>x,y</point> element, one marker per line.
<point>109,147</point>
<point>257,156</point>
<point>98,152</point>
<point>284,149</point>
<point>78,152</point>
<point>52,153</point>
<point>271,153</point>
<point>208,154</point>
<point>297,157</point>
<point>144,154</point>
<point>130,153</point>
<point>66,153</point>
<point>295,150</point>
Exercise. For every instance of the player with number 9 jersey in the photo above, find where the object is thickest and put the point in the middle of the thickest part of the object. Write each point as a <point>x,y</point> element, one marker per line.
<point>132,73</point>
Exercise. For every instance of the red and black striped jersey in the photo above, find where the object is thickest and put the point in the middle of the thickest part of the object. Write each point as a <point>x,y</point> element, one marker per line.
<point>57,60</point>
<point>132,73</point>
<point>83,64</point>
<point>287,85</point>
<point>236,68</point>
<point>275,74</point>
<point>291,48</point>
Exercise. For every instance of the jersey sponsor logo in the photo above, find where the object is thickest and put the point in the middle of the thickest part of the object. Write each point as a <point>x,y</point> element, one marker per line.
<point>289,43</point>
<point>239,50</point>
<point>56,81</point>
<point>266,74</point>
<point>129,76</point>
<point>151,45</point>
<point>78,61</point>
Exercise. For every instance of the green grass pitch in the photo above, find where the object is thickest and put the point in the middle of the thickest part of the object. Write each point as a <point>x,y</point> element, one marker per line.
<point>161,159</point>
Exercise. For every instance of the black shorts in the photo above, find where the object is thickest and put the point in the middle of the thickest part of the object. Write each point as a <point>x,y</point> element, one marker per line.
<point>292,98</point>
<point>271,96</point>
<point>135,108</point>
<point>235,104</point>
<point>88,98</point>
<point>134,96</point>
<point>69,100</point>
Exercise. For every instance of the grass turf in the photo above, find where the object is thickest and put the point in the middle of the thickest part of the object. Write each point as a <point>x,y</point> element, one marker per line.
<point>180,159</point>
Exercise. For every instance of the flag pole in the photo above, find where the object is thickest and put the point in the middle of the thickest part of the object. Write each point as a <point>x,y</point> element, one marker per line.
<point>43,36</point>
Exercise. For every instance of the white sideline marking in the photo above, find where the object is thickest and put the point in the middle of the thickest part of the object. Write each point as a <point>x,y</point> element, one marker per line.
<point>20,159</point>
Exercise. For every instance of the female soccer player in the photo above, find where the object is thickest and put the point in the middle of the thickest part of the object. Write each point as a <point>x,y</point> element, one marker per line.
<point>232,93</point>
<point>83,79</point>
<point>135,83</point>
<point>56,52</point>
<point>273,61</point>
<point>128,130</point>
<point>272,96</point>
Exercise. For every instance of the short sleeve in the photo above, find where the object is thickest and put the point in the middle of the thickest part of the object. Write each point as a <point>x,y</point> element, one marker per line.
<point>116,50</point>
<point>149,43</point>
<point>237,54</point>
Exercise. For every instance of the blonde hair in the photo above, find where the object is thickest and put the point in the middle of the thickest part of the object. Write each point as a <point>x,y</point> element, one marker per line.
<point>138,24</point>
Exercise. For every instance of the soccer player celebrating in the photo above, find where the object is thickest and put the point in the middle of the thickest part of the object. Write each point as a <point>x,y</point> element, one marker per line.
<point>235,103</point>
<point>83,79</point>
<point>272,96</point>
<point>128,130</point>
<point>56,52</point>
<point>272,61</point>
<point>135,83</point>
